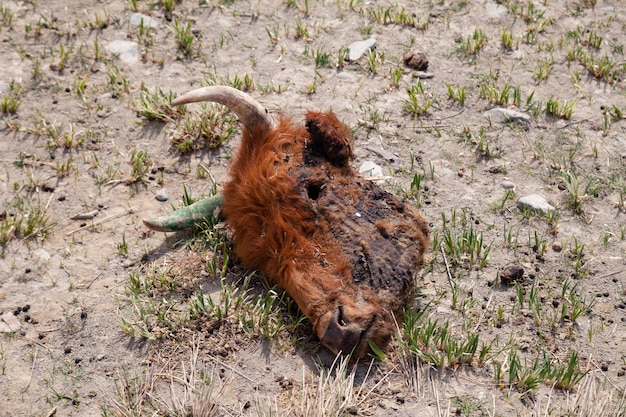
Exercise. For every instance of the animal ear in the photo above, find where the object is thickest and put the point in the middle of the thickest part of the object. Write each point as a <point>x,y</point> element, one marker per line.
<point>330,138</point>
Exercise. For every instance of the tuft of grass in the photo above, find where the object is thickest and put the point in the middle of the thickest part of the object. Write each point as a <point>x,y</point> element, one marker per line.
<point>140,165</point>
<point>418,101</point>
<point>6,17</point>
<point>157,106</point>
<point>186,41</point>
<point>471,46</point>
<point>24,217</point>
<point>322,59</point>
<point>506,40</point>
<point>465,248</point>
<point>374,59</point>
<point>543,68</point>
<point>457,95</point>
<point>562,110</point>
<point>11,101</point>
<point>207,129</point>
<point>435,344</point>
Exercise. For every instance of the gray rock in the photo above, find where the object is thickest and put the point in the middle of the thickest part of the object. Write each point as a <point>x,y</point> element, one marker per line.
<point>423,75</point>
<point>127,51</point>
<point>162,195</point>
<point>536,203</point>
<point>42,254</point>
<point>346,76</point>
<point>507,185</point>
<point>359,48</point>
<point>223,22</point>
<point>495,10</point>
<point>502,115</point>
<point>136,18</point>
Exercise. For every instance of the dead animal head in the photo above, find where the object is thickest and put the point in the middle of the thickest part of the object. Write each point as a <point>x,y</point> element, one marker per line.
<point>344,249</point>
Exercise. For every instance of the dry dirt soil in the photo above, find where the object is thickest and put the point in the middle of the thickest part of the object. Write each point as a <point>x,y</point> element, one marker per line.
<point>101,316</point>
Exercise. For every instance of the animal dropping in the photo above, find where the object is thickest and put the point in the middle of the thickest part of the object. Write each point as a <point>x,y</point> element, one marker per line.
<point>343,248</point>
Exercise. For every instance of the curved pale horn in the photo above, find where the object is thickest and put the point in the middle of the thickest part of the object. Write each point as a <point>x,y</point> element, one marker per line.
<point>249,111</point>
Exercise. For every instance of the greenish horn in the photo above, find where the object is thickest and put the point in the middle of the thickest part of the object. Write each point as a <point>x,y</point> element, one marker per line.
<point>185,217</point>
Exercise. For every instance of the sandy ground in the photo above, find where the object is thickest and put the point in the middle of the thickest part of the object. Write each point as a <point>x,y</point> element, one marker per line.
<point>69,149</point>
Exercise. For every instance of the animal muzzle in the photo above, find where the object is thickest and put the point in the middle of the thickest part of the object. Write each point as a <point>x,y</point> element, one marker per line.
<point>340,335</point>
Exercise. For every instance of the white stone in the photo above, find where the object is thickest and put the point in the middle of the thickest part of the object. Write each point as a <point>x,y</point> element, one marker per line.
<point>223,22</point>
<point>357,49</point>
<point>127,51</point>
<point>535,202</point>
<point>495,10</point>
<point>136,18</point>
<point>502,115</point>
<point>42,254</point>
<point>370,169</point>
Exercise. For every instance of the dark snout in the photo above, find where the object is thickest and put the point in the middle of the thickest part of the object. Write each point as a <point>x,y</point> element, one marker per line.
<point>343,336</point>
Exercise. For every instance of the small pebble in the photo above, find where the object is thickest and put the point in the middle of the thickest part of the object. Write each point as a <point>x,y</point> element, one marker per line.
<point>162,195</point>
<point>507,185</point>
<point>68,350</point>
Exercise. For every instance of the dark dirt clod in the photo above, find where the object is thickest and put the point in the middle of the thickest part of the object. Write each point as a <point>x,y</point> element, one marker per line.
<point>416,60</point>
<point>511,274</point>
